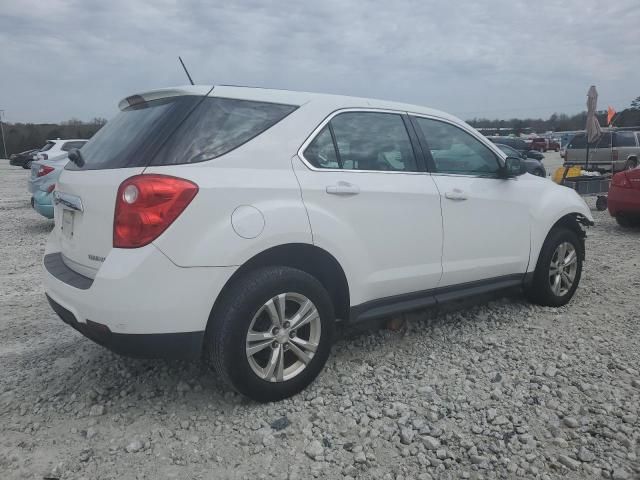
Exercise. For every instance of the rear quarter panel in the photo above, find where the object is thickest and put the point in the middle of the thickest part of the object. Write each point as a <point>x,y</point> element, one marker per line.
<point>257,174</point>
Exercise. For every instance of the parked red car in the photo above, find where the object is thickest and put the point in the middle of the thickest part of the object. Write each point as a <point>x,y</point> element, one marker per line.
<point>543,144</point>
<point>624,198</point>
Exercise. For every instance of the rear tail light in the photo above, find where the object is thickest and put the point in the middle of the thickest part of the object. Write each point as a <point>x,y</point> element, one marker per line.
<point>614,155</point>
<point>145,207</point>
<point>44,170</point>
<point>51,188</point>
<point>620,180</point>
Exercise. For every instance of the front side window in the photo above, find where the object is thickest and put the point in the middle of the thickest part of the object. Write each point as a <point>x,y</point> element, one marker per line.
<point>579,141</point>
<point>455,151</point>
<point>371,141</point>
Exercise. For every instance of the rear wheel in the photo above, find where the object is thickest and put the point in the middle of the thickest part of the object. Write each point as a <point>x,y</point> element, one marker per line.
<point>558,270</point>
<point>27,165</point>
<point>601,203</point>
<point>631,164</point>
<point>628,222</point>
<point>271,334</point>
<point>539,173</point>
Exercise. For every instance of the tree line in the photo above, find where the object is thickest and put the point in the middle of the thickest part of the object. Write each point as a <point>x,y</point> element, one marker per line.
<point>27,136</point>
<point>629,117</point>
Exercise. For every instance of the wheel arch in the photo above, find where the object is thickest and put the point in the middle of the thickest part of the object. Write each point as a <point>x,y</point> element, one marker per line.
<point>575,222</point>
<point>306,257</point>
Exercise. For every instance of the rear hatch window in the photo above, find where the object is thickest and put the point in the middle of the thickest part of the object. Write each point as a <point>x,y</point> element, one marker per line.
<point>178,130</point>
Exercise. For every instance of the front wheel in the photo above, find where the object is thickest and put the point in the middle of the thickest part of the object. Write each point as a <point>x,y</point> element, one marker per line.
<point>558,270</point>
<point>631,164</point>
<point>271,335</point>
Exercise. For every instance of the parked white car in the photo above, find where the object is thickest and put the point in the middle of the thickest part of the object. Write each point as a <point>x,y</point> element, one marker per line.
<point>242,223</point>
<point>56,149</point>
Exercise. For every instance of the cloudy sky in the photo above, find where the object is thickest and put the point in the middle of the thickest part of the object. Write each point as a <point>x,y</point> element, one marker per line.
<point>495,58</point>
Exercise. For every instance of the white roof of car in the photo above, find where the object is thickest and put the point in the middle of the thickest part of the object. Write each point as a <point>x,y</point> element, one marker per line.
<point>289,97</point>
<point>59,140</point>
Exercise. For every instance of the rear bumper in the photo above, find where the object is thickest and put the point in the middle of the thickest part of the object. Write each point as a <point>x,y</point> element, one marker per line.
<point>139,303</point>
<point>185,345</point>
<point>42,203</point>
<point>623,200</point>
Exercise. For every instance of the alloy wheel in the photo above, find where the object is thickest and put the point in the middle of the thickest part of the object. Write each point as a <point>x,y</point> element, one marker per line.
<point>563,268</point>
<point>283,337</point>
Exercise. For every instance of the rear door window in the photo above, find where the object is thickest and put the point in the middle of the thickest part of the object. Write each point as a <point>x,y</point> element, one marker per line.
<point>321,152</point>
<point>177,130</point>
<point>371,141</point>
<point>604,141</point>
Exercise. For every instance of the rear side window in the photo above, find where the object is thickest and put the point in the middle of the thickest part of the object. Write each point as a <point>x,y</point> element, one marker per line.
<point>47,146</point>
<point>625,139</point>
<point>218,126</point>
<point>69,145</point>
<point>372,141</point>
<point>579,141</point>
<point>177,130</point>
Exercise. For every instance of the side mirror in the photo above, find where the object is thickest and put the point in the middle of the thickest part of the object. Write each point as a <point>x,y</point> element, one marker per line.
<point>76,157</point>
<point>513,166</point>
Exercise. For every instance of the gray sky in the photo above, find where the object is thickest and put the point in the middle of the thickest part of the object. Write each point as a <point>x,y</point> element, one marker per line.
<point>499,59</point>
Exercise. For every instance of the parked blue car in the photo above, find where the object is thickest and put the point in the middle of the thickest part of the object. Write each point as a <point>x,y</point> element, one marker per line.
<point>44,176</point>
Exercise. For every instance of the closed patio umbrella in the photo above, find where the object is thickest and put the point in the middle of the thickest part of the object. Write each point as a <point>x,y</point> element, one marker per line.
<point>593,127</point>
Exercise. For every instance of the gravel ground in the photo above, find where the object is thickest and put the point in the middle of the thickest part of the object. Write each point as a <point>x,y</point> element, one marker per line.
<point>501,389</point>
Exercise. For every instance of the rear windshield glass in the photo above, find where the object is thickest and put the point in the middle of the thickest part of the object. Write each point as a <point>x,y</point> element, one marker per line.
<point>47,146</point>
<point>178,130</point>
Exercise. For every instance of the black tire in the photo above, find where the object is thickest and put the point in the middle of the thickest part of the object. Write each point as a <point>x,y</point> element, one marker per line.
<point>601,203</point>
<point>27,165</point>
<point>631,164</point>
<point>539,291</point>
<point>628,222</point>
<point>539,173</point>
<point>225,348</point>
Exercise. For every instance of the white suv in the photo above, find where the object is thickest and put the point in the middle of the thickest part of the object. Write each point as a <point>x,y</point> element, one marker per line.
<point>241,223</point>
<point>57,149</point>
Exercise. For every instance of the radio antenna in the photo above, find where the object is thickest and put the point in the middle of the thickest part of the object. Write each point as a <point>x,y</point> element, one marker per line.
<point>186,71</point>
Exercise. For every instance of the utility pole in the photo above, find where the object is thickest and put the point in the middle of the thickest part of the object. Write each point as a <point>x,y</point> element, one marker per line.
<point>4,144</point>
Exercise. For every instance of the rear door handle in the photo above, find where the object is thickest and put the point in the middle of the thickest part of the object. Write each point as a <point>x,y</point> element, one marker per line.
<point>343,188</point>
<point>456,194</point>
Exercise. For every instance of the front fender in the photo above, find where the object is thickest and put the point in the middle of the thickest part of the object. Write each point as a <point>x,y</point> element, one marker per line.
<point>555,203</point>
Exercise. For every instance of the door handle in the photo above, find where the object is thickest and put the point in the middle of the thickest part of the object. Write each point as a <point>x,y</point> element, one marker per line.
<point>456,195</point>
<point>343,188</point>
